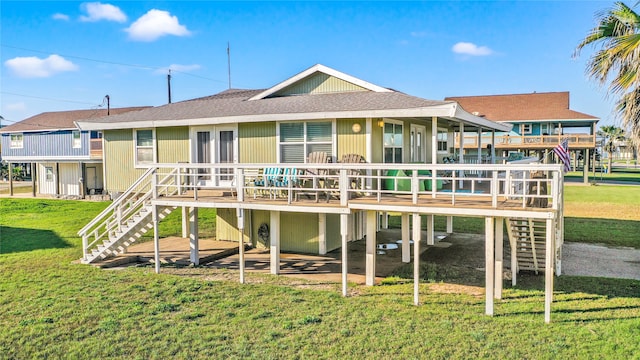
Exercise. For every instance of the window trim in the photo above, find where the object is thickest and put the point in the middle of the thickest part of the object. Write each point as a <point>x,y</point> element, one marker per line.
<point>401,147</point>
<point>138,164</point>
<point>76,143</point>
<point>16,144</point>
<point>48,174</point>
<point>446,142</point>
<point>304,142</point>
<point>524,130</point>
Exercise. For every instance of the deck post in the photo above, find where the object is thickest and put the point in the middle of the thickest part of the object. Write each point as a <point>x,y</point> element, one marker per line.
<point>344,224</point>
<point>322,234</point>
<point>194,241</point>
<point>185,222</point>
<point>406,247</point>
<point>461,155</point>
<point>548,270</point>
<point>430,237</point>
<point>499,235</point>
<point>489,242</point>
<point>371,245</point>
<point>156,238</point>
<point>10,175</point>
<point>449,224</point>
<point>33,179</point>
<point>416,258</point>
<point>274,240</point>
<point>240,214</point>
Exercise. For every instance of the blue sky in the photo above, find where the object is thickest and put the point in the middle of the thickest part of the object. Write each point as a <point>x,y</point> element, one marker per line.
<point>65,55</point>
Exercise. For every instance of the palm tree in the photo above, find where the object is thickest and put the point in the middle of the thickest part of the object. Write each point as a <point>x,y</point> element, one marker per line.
<point>612,137</point>
<point>616,61</point>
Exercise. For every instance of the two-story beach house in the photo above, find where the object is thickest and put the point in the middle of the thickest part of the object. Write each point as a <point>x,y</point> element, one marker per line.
<point>65,161</point>
<point>540,121</point>
<point>307,165</point>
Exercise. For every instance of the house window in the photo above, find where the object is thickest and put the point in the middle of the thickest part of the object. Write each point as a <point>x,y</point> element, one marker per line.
<point>299,139</point>
<point>48,173</point>
<point>525,128</point>
<point>77,143</point>
<point>393,139</point>
<point>144,146</point>
<point>17,141</point>
<point>443,140</point>
<point>96,134</point>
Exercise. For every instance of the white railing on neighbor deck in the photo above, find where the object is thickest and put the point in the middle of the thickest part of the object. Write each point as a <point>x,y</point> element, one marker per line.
<point>534,185</point>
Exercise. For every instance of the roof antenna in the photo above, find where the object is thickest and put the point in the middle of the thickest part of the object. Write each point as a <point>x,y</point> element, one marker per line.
<point>108,104</point>
<point>229,63</point>
<point>169,85</point>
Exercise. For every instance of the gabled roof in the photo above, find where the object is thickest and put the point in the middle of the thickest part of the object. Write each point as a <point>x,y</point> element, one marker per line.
<point>62,120</point>
<point>522,107</point>
<point>279,104</point>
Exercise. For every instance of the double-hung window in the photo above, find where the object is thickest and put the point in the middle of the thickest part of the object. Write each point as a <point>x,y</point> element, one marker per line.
<point>443,140</point>
<point>393,139</point>
<point>48,173</point>
<point>298,139</point>
<point>77,142</point>
<point>144,146</point>
<point>525,129</point>
<point>17,141</point>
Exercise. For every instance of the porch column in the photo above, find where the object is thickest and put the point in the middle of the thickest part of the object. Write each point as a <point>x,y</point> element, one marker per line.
<point>416,258</point>
<point>156,238</point>
<point>371,246</point>
<point>194,241</point>
<point>430,237</point>
<point>479,145</point>
<point>240,214</point>
<point>406,247</point>
<point>274,237</point>
<point>185,222</point>
<point>548,269</point>
<point>585,167</point>
<point>58,179</point>
<point>449,224</point>
<point>82,181</point>
<point>461,154</point>
<point>33,179</point>
<point>344,224</point>
<point>434,140</point>
<point>322,234</point>
<point>489,242</point>
<point>499,236</point>
<point>493,146</point>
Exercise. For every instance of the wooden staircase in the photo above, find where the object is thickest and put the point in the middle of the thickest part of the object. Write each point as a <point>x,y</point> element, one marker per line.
<point>527,237</point>
<point>126,220</point>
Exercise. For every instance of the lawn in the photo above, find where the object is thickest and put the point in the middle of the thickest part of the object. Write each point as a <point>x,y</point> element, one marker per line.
<point>53,308</point>
<point>629,175</point>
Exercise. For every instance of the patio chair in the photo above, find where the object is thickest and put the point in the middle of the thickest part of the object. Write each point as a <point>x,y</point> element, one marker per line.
<point>353,174</point>
<point>267,180</point>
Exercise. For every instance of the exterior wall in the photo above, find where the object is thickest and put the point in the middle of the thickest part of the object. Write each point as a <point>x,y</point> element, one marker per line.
<point>299,232</point>
<point>318,84</point>
<point>376,141</point>
<point>334,239</point>
<point>348,141</point>
<point>172,144</point>
<point>50,145</point>
<point>258,217</point>
<point>119,164</point>
<point>257,143</point>
<point>67,178</point>
<point>227,225</point>
<point>46,186</point>
<point>97,182</point>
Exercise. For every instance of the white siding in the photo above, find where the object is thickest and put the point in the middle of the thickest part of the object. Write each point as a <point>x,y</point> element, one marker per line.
<point>46,186</point>
<point>69,179</point>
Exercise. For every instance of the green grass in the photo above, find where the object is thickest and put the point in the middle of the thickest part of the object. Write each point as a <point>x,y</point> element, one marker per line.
<point>629,175</point>
<point>53,308</point>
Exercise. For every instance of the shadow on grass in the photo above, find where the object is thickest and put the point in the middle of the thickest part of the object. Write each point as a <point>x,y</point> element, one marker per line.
<point>16,240</point>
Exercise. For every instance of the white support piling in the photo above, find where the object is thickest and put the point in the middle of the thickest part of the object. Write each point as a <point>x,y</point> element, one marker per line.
<point>194,240</point>
<point>344,223</point>
<point>156,238</point>
<point>449,224</point>
<point>430,230</point>
<point>489,242</point>
<point>274,237</point>
<point>406,246</point>
<point>548,270</point>
<point>185,222</point>
<point>499,236</point>
<point>417,231</point>
<point>371,248</point>
<point>322,234</point>
<point>240,214</point>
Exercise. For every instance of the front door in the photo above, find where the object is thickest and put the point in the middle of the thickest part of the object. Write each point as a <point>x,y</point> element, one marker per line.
<point>214,145</point>
<point>202,155</point>
<point>226,154</point>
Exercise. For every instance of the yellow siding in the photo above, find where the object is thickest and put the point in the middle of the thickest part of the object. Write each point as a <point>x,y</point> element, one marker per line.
<point>259,217</point>
<point>227,226</point>
<point>376,141</point>
<point>118,160</point>
<point>257,143</point>
<point>173,144</point>
<point>299,232</point>
<point>348,141</point>
<point>319,83</point>
<point>333,236</point>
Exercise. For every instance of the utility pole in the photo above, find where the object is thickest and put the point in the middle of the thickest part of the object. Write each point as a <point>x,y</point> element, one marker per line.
<point>229,63</point>
<point>108,104</point>
<point>169,85</point>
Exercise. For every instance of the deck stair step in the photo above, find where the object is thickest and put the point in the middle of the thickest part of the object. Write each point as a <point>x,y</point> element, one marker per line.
<point>528,237</point>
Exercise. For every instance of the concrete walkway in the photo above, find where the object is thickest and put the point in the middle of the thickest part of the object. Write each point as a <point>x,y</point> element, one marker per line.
<point>601,261</point>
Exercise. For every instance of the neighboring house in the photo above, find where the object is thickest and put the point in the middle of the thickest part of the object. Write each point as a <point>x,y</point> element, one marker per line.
<point>540,121</point>
<point>67,161</point>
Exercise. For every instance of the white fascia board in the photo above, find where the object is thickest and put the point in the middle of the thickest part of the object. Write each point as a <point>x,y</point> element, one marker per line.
<point>47,158</point>
<point>43,130</point>
<point>322,69</point>
<point>478,121</point>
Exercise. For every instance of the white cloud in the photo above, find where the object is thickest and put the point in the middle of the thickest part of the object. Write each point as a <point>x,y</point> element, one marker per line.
<point>178,67</point>
<point>467,48</point>
<point>155,24</point>
<point>97,11</point>
<point>419,34</point>
<point>34,67</point>
<point>19,106</point>
<point>59,16</point>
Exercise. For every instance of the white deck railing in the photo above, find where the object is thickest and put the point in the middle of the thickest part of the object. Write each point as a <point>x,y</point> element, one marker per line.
<point>534,185</point>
